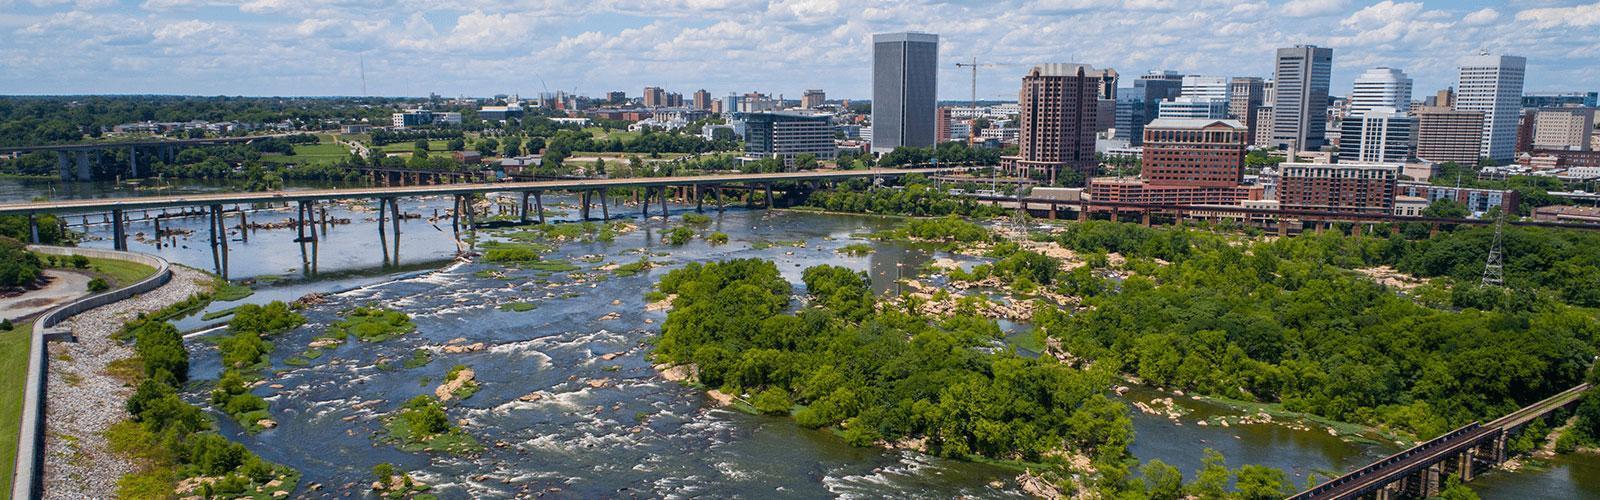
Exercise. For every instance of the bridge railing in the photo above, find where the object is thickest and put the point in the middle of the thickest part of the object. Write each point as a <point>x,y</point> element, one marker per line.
<point>1388,461</point>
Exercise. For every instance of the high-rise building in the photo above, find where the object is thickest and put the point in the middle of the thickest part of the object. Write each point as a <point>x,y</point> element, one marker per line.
<point>1194,107</point>
<point>1150,89</point>
<point>1444,98</point>
<point>1245,95</point>
<point>786,135</point>
<point>616,97</point>
<point>1379,135</point>
<point>1448,135</point>
<point>904,89</point>
<point>1300,110</point>
<point>674,100</point>
<point>1130,117</point>
<point>812,98</point>
<point>654,97</point>
<point>702,99</point>
<point>1195,152</point>
<point>1380,88</point>
<point>1492,84</point>
<point>730,104</point>
<point>1205,87</point>
<point>1059,103</point>
<point>1269,92</point>
<point>1344,187</point>
<point>1568,129</point>
<point>1108,84</point>
<point>941,125</point>
<point>1186,162</point>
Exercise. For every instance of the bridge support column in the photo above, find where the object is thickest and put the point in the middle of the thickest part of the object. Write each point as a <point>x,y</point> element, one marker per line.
<point>300,222</point>
<point>605,207</point>
<point>1283,228</point>
<point>455,220</point>
<point>644,205</point>
<point>133,162</point>
<point>1144,218</point>
<point>769,194</point>
<point>663,195</point>
<point>383,232</point>
<point>84,172</point>
<point>119,234</point>
<point>33,229</point>
<point>1052,211</point>
<point>1465,468</point>
<point>538,205</point>
<point>1431,480</point>
<point>1083,213</point>
<point>1433,230</point>
<point>211,230</point>
<point>394,212</point>
<point>62,167</point>
<point>522,208</point>
<point>583,204</point>
<point>244,226</point>
<point>699,201</point>
<point>718,191</point>
<point>222,239</point>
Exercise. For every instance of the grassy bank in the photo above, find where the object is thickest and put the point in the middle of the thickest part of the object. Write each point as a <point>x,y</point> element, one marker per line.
<point>120,273</point>
<point>14,347</point>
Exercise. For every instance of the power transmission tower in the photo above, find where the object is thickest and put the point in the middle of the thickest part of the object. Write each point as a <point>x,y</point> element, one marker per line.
<point>1493,269</point>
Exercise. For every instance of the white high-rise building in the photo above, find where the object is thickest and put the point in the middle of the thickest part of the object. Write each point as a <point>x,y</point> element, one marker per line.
<point>1492,84</point>
<point>1193,107</point>
<point>1205,87</point>
<point>1379,135</point>
<point>1380,88</point>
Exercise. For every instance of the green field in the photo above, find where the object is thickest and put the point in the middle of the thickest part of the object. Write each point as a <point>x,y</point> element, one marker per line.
<point>437,146</point>
<point>600,133</point>
<point>325,152</point>
<point>14,347</point>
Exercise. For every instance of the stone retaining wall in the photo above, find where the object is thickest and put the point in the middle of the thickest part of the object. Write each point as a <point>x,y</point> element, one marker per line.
<point>27,479</point>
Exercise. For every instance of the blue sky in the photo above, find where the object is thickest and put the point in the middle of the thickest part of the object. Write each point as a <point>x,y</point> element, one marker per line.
<point>483,47</point>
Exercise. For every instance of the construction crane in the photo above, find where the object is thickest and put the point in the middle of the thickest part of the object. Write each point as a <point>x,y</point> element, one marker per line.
<point>975,65</point>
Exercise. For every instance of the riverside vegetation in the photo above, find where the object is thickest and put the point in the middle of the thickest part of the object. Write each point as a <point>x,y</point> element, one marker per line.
<point>1290,322</point>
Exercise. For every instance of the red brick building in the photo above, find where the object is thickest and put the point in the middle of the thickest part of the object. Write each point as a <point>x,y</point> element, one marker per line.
<point>1186,162</point>
<point>1059,108</point>
<point>1345,187</point>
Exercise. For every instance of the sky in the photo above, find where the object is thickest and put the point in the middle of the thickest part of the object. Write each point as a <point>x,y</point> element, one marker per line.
<point>486,47</point>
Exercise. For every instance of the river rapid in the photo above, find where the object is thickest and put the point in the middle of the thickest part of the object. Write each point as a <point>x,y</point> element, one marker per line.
<point>570,406</point>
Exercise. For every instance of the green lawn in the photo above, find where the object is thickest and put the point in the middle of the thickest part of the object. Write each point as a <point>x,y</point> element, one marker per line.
<point>600,133</point>
<point>436,146</point>
<point>14,347</point>
<point>120,273</point>
<point>324,152</point>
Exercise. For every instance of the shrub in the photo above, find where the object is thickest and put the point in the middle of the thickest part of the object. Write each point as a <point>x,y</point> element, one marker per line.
<point>98,285</point>
<point>18,266</point>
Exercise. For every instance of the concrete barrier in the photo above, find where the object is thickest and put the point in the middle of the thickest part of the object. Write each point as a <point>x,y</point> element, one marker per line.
<point>28,478</point>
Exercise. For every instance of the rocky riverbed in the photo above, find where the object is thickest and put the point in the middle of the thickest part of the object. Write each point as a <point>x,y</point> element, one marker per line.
<point>85,398</point>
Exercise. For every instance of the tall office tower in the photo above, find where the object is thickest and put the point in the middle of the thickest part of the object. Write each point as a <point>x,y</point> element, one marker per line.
<point>812,98</point>
<point>1194,107</point>
<point>730,104</point>
<point>1493,84</point>
<point>654,97</point>
<point>1300,112</point>
<point>1448,135</point>
<point>1151,89</point>
<point>1205,87</point>
<point>1059,103</point>
<point>1108,84</point>
<point>1380,88</point>
<point>904,89</point>
<point>1246,94</point>
<point>616,97</point>
<point>1130,116</point>
<point>1263,136</point>
<point>702,99</point>
<point>1379,135</point>
<point>674,100</point>
<point>1269,92</point>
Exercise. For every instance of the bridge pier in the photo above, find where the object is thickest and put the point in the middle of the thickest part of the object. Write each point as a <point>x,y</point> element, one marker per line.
<point>133,162</point>
<point>394,211</point>
<point>769,194</point>
<point>538,204</point>
<point>699,201</point>
<point>605,208</point>
<point>33,229</point>
<point>644,205</point>
<point>221,222</point>
<point>583,204</point>
<point>119,234</point>
<point>244,226</point>
<point>383,233</point>
<point>61,166</point>
<point>718,191</point>
<point>522,209</point>
<point>84,171</point>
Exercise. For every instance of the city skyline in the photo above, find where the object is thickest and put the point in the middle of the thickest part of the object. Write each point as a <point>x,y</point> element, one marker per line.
<point>292,47</point>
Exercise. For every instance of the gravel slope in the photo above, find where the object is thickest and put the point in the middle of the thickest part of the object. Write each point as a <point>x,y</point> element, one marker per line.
<point>82,401</point>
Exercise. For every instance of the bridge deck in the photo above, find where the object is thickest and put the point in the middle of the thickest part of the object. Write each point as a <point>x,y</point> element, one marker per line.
<point>1389,469</point>
<point>150,202</point>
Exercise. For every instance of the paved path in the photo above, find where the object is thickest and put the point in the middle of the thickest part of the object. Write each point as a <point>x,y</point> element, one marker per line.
<point>84,400</point>
<point>63,287</point>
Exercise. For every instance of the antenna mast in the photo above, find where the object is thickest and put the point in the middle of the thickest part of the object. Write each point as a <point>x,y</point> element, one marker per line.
<point>363,76</point>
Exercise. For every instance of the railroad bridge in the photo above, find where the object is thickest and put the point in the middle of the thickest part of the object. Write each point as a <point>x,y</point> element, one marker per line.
<point>1421,471</point>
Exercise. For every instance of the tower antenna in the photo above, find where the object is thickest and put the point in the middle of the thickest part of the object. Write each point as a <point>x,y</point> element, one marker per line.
<point>363,76</point>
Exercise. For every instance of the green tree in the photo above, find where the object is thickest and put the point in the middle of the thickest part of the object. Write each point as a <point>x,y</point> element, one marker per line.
<point>1259,482</point>
<point>1211,482</point>
<point>1162,481</point>
<point>1446,208</point>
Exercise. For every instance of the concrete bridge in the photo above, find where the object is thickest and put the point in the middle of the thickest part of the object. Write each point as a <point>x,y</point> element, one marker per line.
<point>167,149</point>
<point>531,204</point>
<point>1421,471</point>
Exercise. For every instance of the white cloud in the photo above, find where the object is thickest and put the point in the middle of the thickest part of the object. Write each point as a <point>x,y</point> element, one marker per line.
<point>1578,16</point>
<point>1313,8</point>
<point>1481,17</point>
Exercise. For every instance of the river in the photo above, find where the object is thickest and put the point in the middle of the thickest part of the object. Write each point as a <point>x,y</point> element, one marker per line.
<point>635,434</point>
